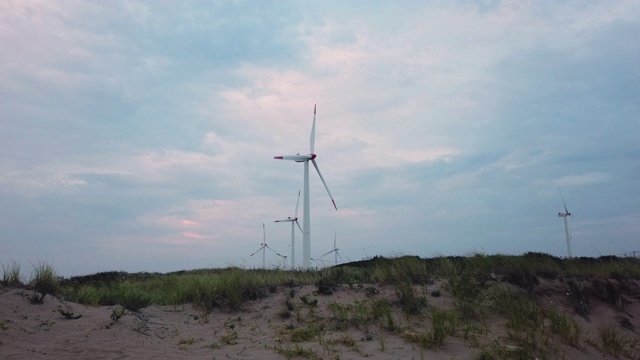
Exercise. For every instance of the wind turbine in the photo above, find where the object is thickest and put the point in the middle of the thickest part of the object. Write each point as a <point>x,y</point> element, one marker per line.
<point>263,247</point>
<point>293,220</point>
<point>564,215</point>
<point>335,250</point>
<point>306,231</point>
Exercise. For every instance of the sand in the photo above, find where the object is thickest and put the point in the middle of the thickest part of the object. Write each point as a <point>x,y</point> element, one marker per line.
<point>258,331</point>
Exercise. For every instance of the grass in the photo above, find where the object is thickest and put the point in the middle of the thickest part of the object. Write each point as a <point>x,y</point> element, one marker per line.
<point>44,281</point>
<point>444,323</point>
<point>206,289</point>
<point>612,340</point>
<point>296,350</point>
<point>410,301</point>
<point>362,314</point>
<point>564,326</point>
<point>306,333</point>
<point>11,275</point>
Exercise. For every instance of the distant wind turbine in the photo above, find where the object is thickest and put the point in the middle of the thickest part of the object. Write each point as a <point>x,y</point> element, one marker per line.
<point>565,215</point>
<point>293,220</point>
<point>264,246</point>
<point>306,231</point>
<point>335,250</point>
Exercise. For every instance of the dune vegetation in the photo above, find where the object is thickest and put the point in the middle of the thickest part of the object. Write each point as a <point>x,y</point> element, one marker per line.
<point>425,302</point>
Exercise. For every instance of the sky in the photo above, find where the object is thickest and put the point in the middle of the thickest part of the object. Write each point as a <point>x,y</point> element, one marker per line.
<point>140,135</point>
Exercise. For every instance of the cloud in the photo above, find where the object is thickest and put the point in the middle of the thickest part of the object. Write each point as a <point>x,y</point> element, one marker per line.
<point>133,129</point>
<point>583,179</point>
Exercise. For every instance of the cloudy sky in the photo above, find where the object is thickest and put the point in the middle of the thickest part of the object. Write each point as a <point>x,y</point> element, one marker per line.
<point>140,135</point>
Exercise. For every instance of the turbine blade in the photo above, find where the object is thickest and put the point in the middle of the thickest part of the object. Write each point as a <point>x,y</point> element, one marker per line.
<point>297,223</point>
<point>334,240</point>
<point>324,183</point>
<point>261,247</point>
<point>264,235</point>
<point>269,247</point>
<point>312,141</point>
<point>563,203</point>
<point>339,256</point>
<point>297,157</point>
<point>297,203</point>
<point>328,253</point>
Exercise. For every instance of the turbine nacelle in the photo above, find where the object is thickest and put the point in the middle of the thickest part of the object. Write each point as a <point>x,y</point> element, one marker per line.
<point>296,158</point>
<point>561,214</point>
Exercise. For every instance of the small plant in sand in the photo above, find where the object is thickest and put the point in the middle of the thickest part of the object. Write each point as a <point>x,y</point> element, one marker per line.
<point>186,341</point>
<point>357,314</point>
<point>311,303</point>
<point>69,315</point>
<point>231,337</point>
<point>410,302</point>
<point>345,340</point>
<point>612,341</point>
<point>285,312</point>
<point>382,340</point>
<point>291,352</point>
<point>44,281</point>
<point>306,333</point>
<point>443,323</point>
<point>565,326</point>
<point>118,313</point>
<point>11,275</point>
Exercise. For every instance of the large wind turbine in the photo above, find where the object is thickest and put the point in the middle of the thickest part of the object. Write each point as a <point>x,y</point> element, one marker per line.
<point>335,250</point>
<point>565,215</point>
<point>264,246</point>
<point>293,220</point>
<point>306,231</point>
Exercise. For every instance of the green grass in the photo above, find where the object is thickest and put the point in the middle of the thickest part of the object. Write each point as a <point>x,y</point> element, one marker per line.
<point>307,333</point>
<point>11,275</point>
<point>362,314</point>
<point>612,340</point>
<point>411,302</point>
<point>44,281</point>
<point>565,326</point>
<point>296,350</point>
<point>206,289</point>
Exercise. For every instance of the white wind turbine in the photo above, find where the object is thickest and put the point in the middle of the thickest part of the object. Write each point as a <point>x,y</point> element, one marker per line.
<point>293,220</point>
<point>565,215</point>
<point>306,231</point>
<point>335,250</point>
<point>264,246</point>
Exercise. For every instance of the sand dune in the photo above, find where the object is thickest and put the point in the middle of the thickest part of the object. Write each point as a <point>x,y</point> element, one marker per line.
<point>264,330</point>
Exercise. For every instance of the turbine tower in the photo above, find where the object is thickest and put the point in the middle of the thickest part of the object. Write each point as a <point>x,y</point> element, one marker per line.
<point>293,220</point>
<point>335,250</point>
<point>306,231</point>
<point>565,215</point>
